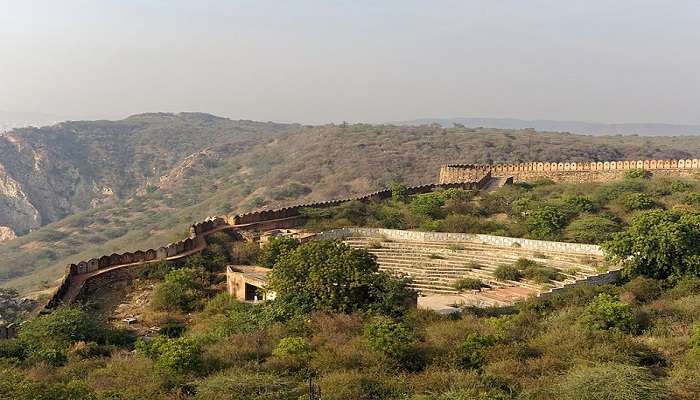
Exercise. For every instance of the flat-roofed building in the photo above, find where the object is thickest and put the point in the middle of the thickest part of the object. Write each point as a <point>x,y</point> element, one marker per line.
<point>248,282</point>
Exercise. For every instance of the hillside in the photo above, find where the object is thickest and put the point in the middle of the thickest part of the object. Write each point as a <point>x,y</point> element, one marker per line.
<point>175,169</point>
<point>51,172</point>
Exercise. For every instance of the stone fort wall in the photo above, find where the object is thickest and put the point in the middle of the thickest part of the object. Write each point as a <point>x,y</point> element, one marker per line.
<point>86,276</point>
<point>578,172</point>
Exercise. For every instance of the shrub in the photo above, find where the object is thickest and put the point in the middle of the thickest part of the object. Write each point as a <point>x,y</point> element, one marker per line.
<point>398,192</point>
<point>507,273</point>
<point>692,199</point>
<point>523,263</point>
<point>638,201</point>
<point>686,286</point>
<point>474,265</point>
<point>580,204</point>
<point>695,339</point>
<point>610,382</point>
<point>177,355</point>
<point>473,350</point>
<point>11,348</point>
<point>679,186</point>
<point>468,284</point>
<point>391,338</point>
<point>294,347</point>
<point>636,173</point>
<point>541,274</point>
<point>644,289</point>
<point>605,312</point>
<point>244,384</point>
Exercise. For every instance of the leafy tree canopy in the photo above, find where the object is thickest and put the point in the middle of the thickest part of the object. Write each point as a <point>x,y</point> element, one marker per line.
<point>658,244</point>
<point>332,276</point>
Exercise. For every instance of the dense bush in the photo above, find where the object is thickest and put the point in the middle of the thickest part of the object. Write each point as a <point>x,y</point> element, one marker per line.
<point>174,355</point>
<point>468,284</point>
<point>639,201</point>
<point>295,347</point>
<point>644,289</point>
<point>507,273</point>
<point>605,312</point>
<point>395,340</point>
<point>183,290</point>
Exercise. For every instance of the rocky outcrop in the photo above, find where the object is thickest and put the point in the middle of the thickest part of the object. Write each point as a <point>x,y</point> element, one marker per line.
<point>38,185</point>
<point>6,233</point>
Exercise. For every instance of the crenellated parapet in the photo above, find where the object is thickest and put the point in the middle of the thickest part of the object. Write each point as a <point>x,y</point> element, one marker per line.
<point>562,170</point>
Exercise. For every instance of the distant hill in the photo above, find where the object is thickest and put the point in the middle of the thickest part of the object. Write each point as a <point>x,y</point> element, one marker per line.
<point>580,127</point>
<point>76,190</point>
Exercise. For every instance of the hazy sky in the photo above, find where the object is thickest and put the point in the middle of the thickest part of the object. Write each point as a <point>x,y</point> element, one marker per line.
<point>321,61</point>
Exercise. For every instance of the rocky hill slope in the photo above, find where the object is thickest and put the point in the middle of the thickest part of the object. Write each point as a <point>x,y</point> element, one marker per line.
<point>51,172</point>
<point>140,182</point>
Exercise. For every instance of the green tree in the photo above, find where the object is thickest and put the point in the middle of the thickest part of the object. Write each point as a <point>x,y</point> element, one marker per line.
<point>271,251</point>
<point>546,222</point>
<point>658,244</point>
<point>182,290</point>
<point>591,229</point>
<point>329,276</point>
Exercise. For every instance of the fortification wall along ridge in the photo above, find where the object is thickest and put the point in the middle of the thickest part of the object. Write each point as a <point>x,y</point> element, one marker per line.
<point>594,171</point>
<point>79,277</point>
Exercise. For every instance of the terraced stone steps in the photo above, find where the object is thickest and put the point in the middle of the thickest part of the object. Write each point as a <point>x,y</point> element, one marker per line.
<point>435,266</point>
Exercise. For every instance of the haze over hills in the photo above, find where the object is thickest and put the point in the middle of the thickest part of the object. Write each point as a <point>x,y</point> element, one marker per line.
<point>77,190</point>
<point>581,127</point>
<point>10,120</point>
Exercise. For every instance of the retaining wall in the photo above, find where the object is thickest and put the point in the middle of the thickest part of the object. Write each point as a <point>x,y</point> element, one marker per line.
<point>395,234</point>
<point>595,280</point>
